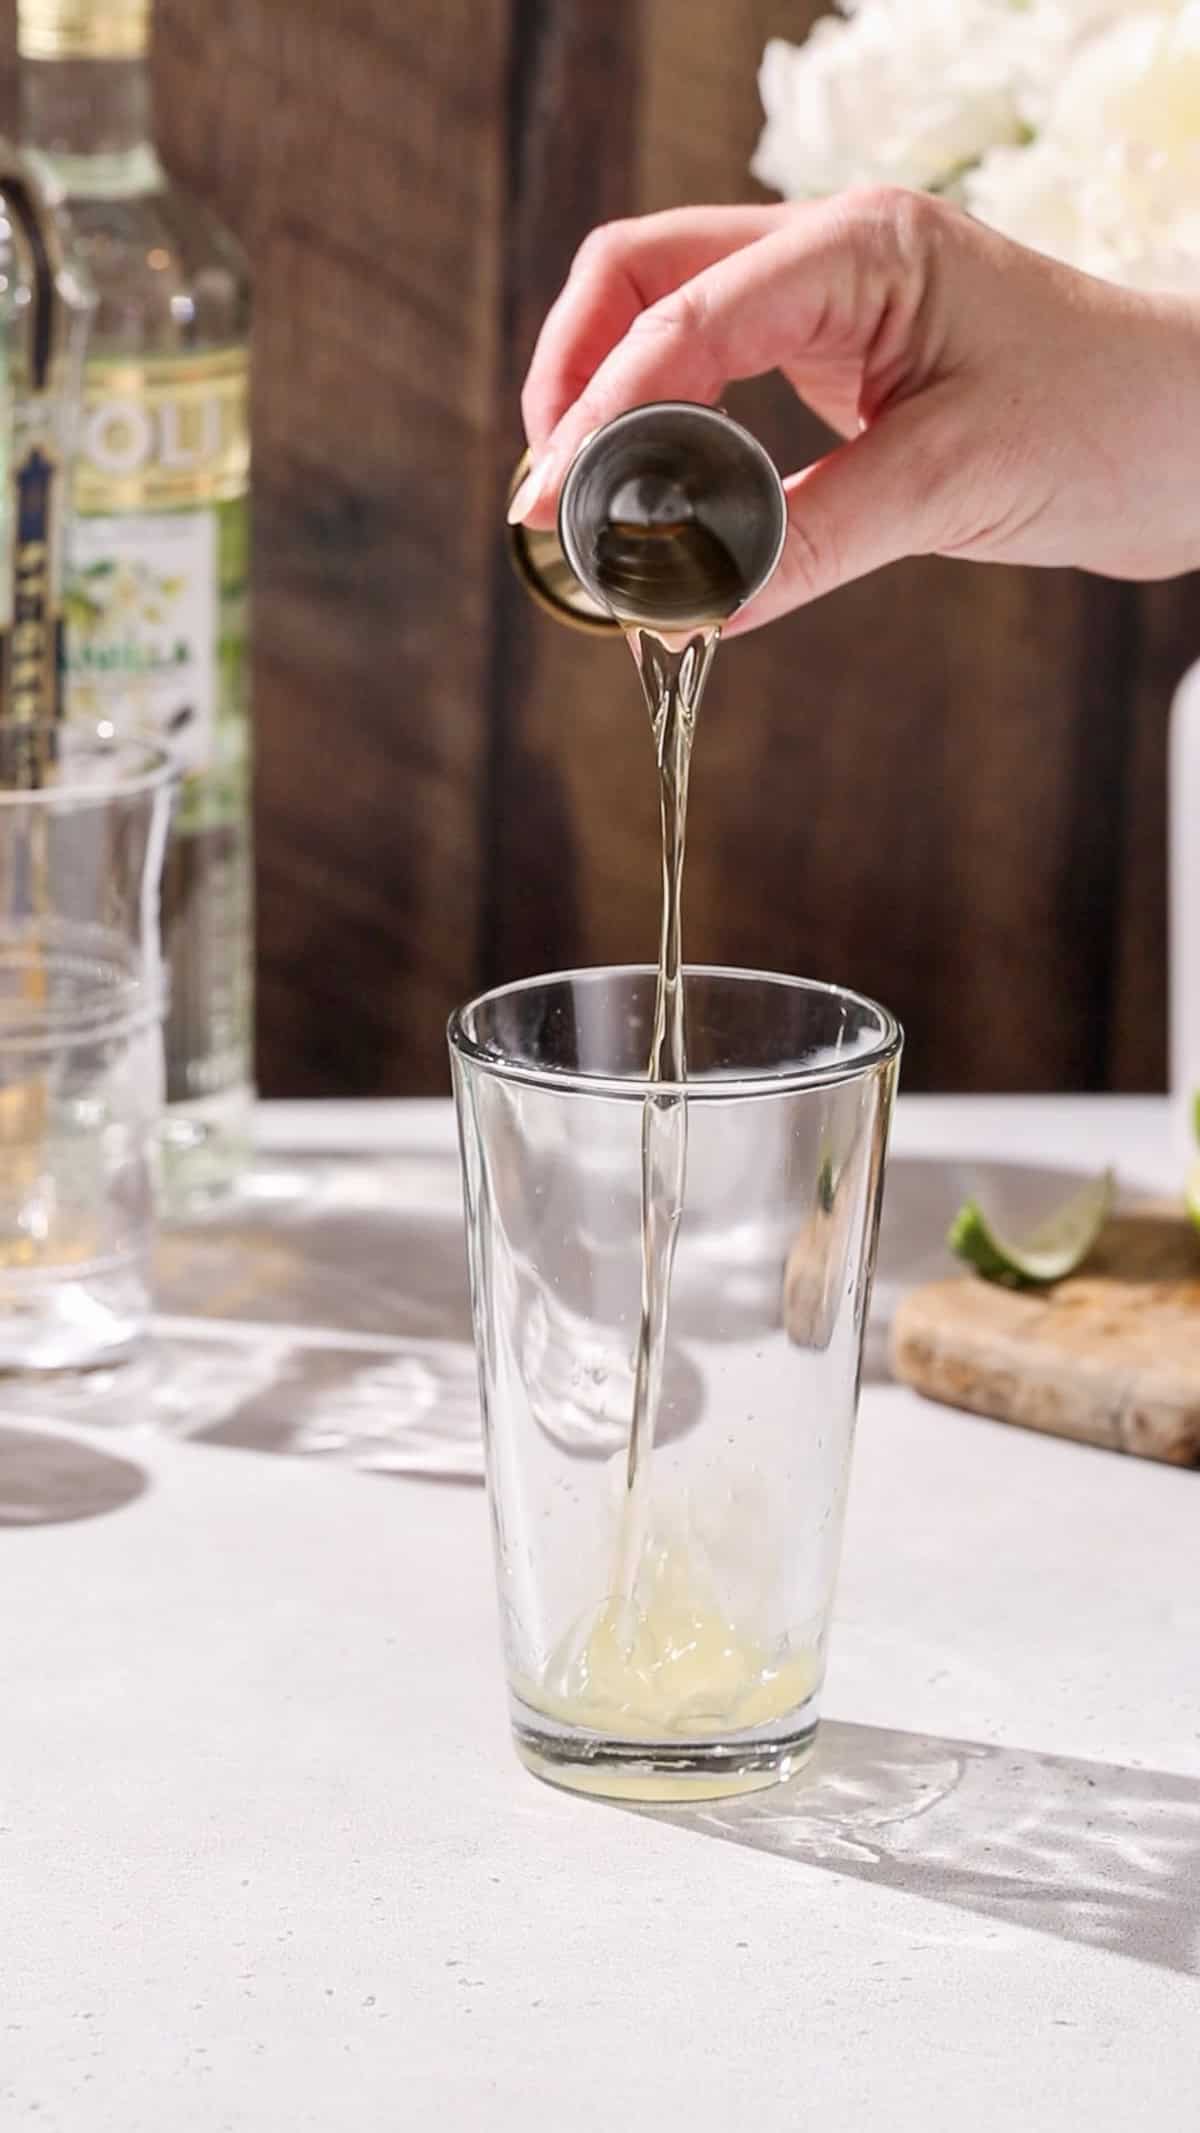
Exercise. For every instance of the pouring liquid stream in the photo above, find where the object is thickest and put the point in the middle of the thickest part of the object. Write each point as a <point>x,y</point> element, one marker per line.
<point>671,583</point>
<point>673,672</point>
<point>661,1657</point>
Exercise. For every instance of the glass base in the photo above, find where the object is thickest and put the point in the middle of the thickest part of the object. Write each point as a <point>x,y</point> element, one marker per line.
<point>663,1772</point>
<point>206,1148</point>
<point>83,1324</point>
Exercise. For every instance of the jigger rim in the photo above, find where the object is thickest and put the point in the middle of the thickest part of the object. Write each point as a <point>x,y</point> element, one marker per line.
<point>631,418</point>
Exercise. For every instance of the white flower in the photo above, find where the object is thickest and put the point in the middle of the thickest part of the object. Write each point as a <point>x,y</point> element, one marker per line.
<point>904,91</point>
<point>1112,184</point>
<point>1073,125</point>
<point>911,91</point>
<point>1053,33</point>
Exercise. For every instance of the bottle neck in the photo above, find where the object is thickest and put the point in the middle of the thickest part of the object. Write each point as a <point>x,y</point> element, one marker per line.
<point>88,123</point>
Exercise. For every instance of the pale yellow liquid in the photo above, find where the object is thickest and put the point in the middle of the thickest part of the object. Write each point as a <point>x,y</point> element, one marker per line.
<point>669,1666</point>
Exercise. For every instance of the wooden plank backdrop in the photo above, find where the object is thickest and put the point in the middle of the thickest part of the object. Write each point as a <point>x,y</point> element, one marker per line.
<point>945,785</point>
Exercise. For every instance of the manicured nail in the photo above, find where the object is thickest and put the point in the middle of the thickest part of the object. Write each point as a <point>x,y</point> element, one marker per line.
<point>529,493</point>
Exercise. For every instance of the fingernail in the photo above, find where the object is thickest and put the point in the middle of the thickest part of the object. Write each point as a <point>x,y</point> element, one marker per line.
<point>528,494</point>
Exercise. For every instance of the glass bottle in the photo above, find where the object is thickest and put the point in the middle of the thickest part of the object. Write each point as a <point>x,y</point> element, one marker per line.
<point>45,307</point>
<point>156,597</point>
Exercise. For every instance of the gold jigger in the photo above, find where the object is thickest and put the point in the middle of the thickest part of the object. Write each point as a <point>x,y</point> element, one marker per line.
<point>671,516</point>
<point>547,576</point>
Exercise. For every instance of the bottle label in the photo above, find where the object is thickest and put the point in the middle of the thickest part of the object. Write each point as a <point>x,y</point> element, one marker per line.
<point>163,434</point>
<point>164,450</point>
<point>32,651</point>
<point>141,608</point>
<point>41,363</point>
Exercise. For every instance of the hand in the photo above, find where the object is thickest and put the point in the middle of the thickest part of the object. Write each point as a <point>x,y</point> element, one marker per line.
<point>998,405</point>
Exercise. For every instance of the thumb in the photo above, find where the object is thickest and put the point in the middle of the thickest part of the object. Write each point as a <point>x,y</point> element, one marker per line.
<point>891,492</point>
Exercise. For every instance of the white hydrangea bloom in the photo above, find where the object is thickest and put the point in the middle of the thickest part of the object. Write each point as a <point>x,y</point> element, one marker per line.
<point>1112,184</point>
<point>1073,125</point>
<point>1052,33</point>
<point>902,91</point>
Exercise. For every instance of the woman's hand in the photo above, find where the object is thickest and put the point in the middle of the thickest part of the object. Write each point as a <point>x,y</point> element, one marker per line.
<point>997,405</point>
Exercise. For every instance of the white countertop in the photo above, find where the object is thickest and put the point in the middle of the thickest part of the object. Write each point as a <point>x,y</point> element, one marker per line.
<point>267,1861</point>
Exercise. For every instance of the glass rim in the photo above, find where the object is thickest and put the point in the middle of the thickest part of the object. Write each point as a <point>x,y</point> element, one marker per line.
<point>155,767</point>
<point>713,1088</point>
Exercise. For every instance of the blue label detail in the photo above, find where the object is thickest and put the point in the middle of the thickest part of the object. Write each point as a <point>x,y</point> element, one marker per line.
<point>35,652</point>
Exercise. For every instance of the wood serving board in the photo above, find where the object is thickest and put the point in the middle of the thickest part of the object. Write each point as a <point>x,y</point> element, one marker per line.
<point>1110,1356</point>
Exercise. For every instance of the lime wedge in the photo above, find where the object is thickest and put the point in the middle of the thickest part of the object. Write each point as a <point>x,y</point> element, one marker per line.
<point>1191,1193</point>
<point>1055,1249</point>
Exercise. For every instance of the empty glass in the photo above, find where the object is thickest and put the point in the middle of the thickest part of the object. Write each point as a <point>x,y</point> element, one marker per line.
<point>83,823</point>
<point>670,1645</point>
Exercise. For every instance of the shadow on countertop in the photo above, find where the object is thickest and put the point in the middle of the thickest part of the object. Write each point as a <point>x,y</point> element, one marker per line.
<point>324,1312</point>
<point>1094,1853</point>
<point>46,1479</point>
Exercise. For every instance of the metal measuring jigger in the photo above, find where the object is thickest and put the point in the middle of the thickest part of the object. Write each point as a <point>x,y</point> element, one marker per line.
<point>672,517</point>
<point>537,558</point>
<point>668,509</point>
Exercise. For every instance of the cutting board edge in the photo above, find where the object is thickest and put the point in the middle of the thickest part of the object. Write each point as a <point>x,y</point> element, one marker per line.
<point>1004,1379</point>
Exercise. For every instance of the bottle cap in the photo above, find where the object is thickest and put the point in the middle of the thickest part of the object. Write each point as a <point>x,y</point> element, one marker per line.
<point>83,29</point>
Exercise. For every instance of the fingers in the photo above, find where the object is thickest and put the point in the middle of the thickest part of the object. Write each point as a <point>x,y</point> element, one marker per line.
<point>620,271</point>
<point>684,347</point>
<point>890,493</point>
<point>826,284</point>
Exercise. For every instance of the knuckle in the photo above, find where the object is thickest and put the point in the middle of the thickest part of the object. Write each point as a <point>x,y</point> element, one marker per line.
<point>681,317</point>
<point>604,248</point>
<point>678,340</point>
<point>898,224</point>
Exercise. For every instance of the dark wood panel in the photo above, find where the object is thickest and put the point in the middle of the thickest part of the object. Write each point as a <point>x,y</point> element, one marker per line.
<point>573,121</point>
<point>939,785</point>
<point>358,152</point>
<point>667,112</point>
<point>1168,641</point>
<point>944,785</point>
<point>700,105</point>
<point>920,838</point>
